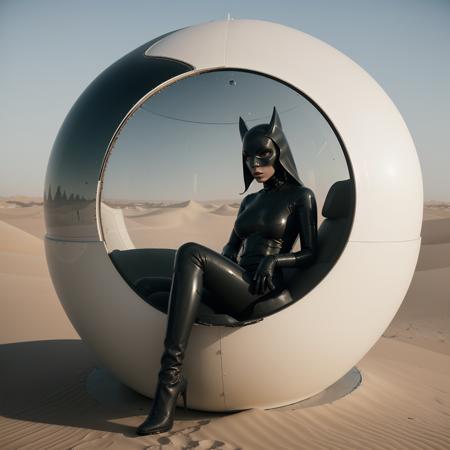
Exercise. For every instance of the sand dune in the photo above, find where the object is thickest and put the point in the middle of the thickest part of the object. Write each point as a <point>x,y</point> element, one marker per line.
<point>186,209</point>
<point>13,263</point>
<point>386,411</point>
<point>28,300</point>
<point>211,230</point>
<point>424,316</point>
<point>170,227</point>
<point>16,240</point>
<point>434,256</point>
<point>436,231</point>
<point>225,210</point>
<point>436,210</point>
<point>20,201</point>
<point>402,402</point>
<point>29,219</point>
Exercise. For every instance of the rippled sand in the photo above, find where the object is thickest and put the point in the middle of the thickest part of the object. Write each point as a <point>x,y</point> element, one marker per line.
<point>403,401</point>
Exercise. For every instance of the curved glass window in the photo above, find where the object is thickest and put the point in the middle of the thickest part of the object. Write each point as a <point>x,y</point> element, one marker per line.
<point>175,168</point>
<point>173,172</point>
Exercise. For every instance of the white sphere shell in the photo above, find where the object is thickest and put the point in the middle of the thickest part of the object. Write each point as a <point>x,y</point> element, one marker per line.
<point>301,350</point>
<point>385,164</point>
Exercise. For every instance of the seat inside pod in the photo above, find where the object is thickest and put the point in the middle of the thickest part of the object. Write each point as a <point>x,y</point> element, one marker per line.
<point>148,271</point>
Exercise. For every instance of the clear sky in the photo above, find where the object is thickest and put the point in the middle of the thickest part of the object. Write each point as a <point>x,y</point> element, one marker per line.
<point>51,50</point>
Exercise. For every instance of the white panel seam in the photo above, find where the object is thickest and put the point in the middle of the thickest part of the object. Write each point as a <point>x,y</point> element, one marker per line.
<point>221,368</point>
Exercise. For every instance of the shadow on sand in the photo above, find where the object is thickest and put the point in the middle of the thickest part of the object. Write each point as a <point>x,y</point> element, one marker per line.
<point>57,382</point>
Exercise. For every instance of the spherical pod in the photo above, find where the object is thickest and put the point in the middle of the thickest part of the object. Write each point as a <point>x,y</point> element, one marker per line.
<point>369,235</point>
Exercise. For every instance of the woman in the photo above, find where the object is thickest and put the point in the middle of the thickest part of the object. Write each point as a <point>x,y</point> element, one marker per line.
<point>248,271</point>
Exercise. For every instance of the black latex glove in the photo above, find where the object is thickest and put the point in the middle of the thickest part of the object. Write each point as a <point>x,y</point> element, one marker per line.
<point>262,280</point>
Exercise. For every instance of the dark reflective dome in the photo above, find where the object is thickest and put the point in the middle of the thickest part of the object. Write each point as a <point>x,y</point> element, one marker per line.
<point>77,155</point>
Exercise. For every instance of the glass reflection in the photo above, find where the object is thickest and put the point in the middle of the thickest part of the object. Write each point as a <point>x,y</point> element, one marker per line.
<point>175,172</point>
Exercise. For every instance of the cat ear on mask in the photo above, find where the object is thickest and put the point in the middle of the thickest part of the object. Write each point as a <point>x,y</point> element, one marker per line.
<point>242,127</point>
<point>275,122</point>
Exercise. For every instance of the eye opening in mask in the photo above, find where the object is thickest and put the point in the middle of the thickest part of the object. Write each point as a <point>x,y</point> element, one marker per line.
<point>264,153</point>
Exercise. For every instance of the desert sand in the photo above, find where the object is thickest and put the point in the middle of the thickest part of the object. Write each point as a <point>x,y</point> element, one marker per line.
<point>403,401</point>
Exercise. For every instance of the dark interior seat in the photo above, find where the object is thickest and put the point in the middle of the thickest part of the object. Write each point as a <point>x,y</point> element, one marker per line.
<point>134,265</point>
<point>332,237</point>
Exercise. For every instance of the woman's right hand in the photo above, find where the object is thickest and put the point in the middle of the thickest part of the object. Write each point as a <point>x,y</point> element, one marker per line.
<point>263,278</point>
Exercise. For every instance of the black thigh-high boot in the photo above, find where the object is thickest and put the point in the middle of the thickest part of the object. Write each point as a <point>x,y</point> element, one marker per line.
<point>183,304</point>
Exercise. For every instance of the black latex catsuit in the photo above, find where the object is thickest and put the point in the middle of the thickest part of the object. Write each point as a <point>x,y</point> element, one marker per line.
<point>267,226</point>
<point>249,269</point>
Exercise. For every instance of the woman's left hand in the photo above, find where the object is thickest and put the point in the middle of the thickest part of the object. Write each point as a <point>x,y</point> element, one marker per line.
<point>262,279</point>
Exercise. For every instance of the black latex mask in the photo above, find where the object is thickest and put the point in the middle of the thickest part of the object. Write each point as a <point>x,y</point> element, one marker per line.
<point>264,145</point>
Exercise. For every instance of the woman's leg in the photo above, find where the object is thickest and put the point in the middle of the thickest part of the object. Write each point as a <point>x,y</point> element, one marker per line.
<point>194,265</point>
<point>226,282</point>
<point>198,267</point>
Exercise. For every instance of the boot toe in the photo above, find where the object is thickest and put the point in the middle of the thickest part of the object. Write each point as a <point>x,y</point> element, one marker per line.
<point>147,428</point>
